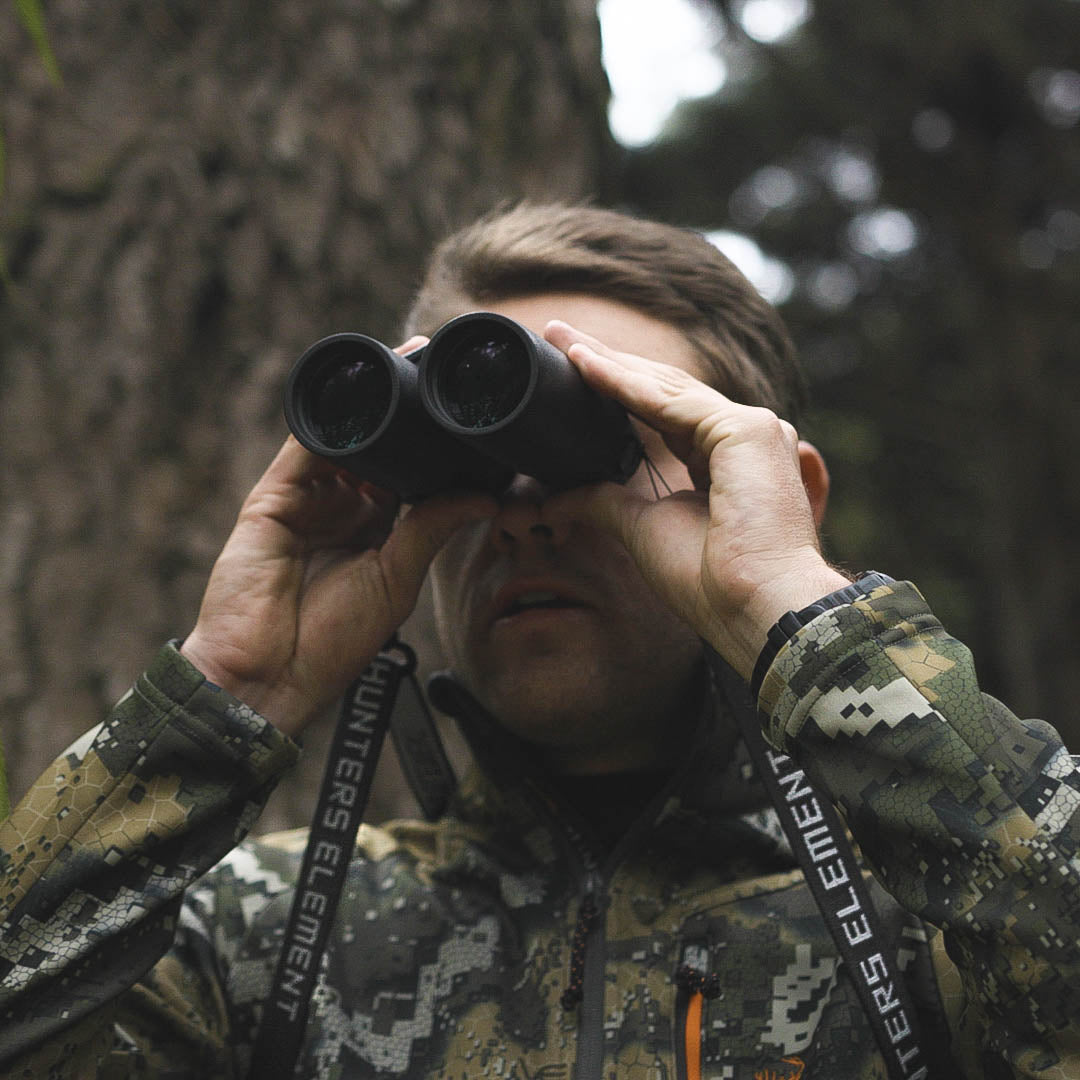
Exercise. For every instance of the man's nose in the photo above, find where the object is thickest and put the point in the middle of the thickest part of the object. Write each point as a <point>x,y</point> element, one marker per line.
<point>522,520</point>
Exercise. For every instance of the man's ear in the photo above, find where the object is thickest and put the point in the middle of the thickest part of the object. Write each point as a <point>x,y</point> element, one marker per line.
<point>815,478</point>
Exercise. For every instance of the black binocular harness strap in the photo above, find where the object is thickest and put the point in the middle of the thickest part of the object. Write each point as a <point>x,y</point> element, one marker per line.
<point>346,786</point>
<point>820,843</point>
<point>813,828</point>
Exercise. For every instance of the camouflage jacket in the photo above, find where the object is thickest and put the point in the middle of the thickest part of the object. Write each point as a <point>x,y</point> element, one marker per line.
<point>122,956</point>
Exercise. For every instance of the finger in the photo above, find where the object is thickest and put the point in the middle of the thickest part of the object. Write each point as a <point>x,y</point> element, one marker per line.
<point>346,515</point>
<point>417,341</point>
<point>693,417</point>
<point>293,465</point>
<point>386,500</point>
<point>422,531</point>
<point>649,389</point>
<point>562,335</point>
<point>605,362</point>
<point>303,500</point>
<point>664,396</point>
<point>362,600</point>
<point>607,371</point>
<point>664,539</point>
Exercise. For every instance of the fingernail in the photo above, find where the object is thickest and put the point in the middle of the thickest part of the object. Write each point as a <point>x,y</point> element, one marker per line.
<point>581,349</point>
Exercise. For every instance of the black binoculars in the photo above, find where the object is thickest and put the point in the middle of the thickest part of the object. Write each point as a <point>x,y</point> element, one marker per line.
<point>484,400</point>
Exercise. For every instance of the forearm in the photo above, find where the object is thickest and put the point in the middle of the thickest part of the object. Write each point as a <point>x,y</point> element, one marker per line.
<point>967,814</point>
<point>96,857</point>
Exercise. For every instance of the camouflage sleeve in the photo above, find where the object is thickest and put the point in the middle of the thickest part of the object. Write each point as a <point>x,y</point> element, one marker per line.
<point>96,857</point>
<point>968,816</point>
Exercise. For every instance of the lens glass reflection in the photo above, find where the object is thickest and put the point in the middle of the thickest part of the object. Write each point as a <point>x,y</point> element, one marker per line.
<point>483,380</point>
<point>349,397</point>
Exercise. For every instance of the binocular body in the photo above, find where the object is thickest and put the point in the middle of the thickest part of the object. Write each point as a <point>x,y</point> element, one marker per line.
<point>484,400</point>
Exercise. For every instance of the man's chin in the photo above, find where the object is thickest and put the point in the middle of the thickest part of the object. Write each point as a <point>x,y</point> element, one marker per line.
<point>542,628</point>
<point>548,689</point>
<point>538,647</point>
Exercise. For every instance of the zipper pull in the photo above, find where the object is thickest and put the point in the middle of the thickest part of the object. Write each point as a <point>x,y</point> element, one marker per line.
<point>696,985</point>
<point>695,981</point>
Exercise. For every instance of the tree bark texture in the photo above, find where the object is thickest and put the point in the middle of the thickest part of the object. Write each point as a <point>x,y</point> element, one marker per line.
<point>214,187</point>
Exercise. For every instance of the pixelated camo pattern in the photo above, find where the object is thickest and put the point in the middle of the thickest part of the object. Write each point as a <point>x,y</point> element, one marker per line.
<point>95,858</point>
<point>453,946</point>
<point>454,951</point>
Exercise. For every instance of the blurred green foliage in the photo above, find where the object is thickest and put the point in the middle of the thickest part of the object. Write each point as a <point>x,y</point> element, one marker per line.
<point>914,170</point>
<point>30,15</point>
<point>33,21</point>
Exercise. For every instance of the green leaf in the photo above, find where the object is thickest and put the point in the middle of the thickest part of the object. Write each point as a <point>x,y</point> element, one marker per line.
<point>34,22</point>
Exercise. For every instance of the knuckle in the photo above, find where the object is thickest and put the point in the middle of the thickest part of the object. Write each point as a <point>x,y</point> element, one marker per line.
<point>766,424</point>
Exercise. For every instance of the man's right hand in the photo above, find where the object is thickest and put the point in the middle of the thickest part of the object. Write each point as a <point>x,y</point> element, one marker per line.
<point>313,580</point>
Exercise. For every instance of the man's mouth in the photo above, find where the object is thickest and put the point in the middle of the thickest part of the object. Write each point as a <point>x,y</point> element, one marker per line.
<point>514,601</point>
<point>540,598</point>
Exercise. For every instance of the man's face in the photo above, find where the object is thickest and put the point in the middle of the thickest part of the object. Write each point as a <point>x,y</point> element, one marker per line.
<point>548,621</point>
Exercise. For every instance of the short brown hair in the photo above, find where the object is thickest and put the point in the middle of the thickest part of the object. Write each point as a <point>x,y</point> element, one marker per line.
<point>670,273</point>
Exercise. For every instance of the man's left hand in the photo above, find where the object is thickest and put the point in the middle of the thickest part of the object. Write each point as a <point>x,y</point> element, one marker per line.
<point>735,553</point>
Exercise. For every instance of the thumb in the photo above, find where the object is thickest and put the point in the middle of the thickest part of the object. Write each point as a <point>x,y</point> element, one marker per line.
<point>423,530</point>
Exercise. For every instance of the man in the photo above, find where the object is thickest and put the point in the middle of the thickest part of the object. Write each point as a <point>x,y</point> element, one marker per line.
<point>610,894</point>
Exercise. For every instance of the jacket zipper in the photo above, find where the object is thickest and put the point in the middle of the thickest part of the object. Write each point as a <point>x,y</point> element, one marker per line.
<point>588,913</point>
<point>590,1053</point>
<point>594,877</point>
<point>591,932</point>
<point>585,977</point>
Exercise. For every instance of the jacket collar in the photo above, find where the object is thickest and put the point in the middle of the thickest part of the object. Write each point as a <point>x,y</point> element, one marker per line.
<point>715,779</point>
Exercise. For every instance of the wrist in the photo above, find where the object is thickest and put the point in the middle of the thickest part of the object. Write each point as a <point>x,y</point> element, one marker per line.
<point>791,591</point>
<point>203,660</point>
<point>790,622</point>
<point>254,694</point>
<point>742,632</point>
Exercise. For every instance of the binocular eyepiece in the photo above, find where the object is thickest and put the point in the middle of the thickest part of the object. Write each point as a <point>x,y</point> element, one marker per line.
<point>485,399</point>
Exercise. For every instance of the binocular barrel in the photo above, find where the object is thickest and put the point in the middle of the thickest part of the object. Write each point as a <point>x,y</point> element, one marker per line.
<point>352,400</point>
<point>488,400</point>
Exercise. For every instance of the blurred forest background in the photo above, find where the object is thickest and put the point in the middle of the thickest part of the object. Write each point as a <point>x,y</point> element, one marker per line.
<point>209,188</point>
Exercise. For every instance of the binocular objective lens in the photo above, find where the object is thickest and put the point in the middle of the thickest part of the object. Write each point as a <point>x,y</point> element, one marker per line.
<point>482,381</point>
<point>349,398</point>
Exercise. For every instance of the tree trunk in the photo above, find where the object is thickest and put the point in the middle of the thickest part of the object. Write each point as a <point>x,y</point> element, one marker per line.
<point>213,188</point>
